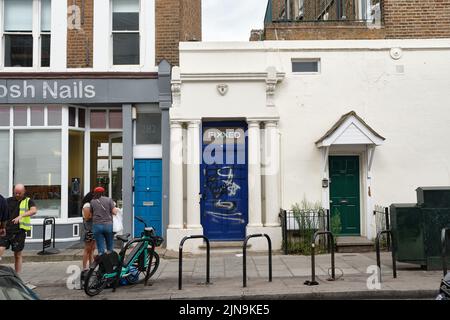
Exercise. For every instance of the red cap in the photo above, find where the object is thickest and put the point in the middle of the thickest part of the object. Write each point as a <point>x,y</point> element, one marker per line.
<point>99,190</point>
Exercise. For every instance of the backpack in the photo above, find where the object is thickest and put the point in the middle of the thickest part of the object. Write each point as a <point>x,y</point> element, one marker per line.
<point>109,262</point>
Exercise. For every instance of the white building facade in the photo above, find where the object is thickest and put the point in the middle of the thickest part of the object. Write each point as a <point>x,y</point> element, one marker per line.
<point>349,124</point>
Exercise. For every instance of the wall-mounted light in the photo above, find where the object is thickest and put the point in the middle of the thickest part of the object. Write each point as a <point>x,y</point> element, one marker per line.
<point>325,183</point>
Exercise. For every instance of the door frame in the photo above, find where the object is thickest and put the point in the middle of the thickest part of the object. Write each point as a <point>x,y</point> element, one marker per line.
<point>364,182</point>
<point>222,123</point>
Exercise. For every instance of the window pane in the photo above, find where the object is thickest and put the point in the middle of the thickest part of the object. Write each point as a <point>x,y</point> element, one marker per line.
<point>20,116</point>
<point>4,163</point>
<point>98,119</point>
<point>18,50</point>
<point>39,168</point>
<point>126,48</point>
<point>81,118</point>
<point>305,66</point>
<point>37,116</point>
<point>72,116</point>
<point>126,21</point>
<point>115,119</point>
<point>148,128</point>
<point>46,14</point>
<point>4,117</point>
<point>125,5</point>
<point>45,50</point>
<point>18,15</point>
<point>54,115</point>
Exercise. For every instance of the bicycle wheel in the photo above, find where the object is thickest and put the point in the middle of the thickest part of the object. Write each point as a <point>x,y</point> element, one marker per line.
<point>134,278</point>
<point>94,282</point>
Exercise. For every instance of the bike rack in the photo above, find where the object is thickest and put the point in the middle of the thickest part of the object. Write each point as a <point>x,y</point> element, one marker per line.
<point>377,246</point>
<point>269,242</point>
<point>127,246</point>
<point>47,243</point>
<point>180,258</point>
<point>444,233</point>
<point>313,281</point>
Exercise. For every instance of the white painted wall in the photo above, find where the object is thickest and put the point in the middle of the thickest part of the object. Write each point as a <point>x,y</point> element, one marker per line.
<point>410,109</point>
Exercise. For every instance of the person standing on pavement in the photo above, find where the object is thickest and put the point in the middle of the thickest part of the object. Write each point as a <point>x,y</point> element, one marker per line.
<point>21,209</point>
<point>3,215</point>
<point>103,209</point>
<point>89,241</point>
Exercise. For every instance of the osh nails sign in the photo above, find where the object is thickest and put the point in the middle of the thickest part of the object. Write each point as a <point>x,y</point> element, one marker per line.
<point>47,90</point>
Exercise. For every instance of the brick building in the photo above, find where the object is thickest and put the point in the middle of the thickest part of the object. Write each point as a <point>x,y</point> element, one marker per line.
<point>88,81</point>
<point>356,19</point>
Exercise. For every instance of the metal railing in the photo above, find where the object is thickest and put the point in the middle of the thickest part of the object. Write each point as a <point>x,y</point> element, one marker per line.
<point>358,11</point>
<point>48,238</point>
<point>313,281</point>
<point>298,227</point>
<point>180,259</point>
<point>377,247</point>
<point>383,222</point>
<point>244,248</point>
<point>444,239</point>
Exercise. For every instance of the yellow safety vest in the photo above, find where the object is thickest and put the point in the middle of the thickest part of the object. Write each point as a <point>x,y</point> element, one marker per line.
<point>25,223</point>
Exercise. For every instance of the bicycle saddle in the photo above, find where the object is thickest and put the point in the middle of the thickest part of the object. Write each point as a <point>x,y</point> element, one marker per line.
<point>123,237</point>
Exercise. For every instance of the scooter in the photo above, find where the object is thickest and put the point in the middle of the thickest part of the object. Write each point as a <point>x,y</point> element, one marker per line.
<point>444,290</point>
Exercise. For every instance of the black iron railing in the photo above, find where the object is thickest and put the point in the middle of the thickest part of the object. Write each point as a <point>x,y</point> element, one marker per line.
<point>363,11</point>
<point>298,228</point>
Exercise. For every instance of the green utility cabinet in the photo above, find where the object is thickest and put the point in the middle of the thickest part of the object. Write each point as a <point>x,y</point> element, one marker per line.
<point>417,227</point>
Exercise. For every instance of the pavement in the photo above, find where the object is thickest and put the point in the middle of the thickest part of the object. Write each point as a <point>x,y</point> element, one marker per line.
<point>52,279</point>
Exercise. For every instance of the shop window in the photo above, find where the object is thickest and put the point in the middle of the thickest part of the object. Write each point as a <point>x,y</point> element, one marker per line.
<point>81,118</point>
<point>39,168</point>
<point>98,119</point>
<point>72,116</point>
<point>4,116</point>
<point>20,116</point>
<point>125,30</point>
<point>76,173</point>
<point>115,119</point>
<point>54,115</point>
<point>37,115</point>
<point>4,163</point>
<point>148,128</point>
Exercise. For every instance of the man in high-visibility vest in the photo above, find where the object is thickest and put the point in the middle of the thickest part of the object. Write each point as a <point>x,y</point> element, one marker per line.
<point>21,209</point>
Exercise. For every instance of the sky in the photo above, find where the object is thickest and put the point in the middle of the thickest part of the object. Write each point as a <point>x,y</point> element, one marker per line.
<point>231,20</point>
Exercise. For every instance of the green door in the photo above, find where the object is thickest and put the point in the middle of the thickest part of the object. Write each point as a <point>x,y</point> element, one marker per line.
<point>344,194</point>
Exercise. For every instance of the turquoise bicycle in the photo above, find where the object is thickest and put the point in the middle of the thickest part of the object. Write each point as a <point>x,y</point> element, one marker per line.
<point>112,269</point>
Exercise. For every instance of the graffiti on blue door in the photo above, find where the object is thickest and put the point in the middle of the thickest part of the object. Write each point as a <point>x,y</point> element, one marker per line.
<point>224,181</point>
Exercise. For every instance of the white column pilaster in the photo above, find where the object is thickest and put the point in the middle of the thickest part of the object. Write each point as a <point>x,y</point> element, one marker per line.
<point>193,175</point>
<point>176,176</point>
<point>254,175</point>
<point>271,174</point>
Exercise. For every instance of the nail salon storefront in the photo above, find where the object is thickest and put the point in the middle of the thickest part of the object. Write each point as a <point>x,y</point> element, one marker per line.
<point>61,135</point>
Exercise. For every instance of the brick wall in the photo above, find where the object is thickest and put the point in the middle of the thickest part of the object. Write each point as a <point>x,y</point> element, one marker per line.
<point>80,40</point>
<point>417,18</point>
<point>176,20</point>
<point>401,19</point>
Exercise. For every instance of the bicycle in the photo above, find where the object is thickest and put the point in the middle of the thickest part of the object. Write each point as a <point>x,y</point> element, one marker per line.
<point>110,270</point>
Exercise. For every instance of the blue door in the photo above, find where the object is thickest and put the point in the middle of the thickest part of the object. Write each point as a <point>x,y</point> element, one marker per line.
<point>224,181</point>
<point>148,194</point>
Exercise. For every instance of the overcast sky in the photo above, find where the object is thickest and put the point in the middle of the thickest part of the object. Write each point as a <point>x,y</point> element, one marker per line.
<point>231,20</point>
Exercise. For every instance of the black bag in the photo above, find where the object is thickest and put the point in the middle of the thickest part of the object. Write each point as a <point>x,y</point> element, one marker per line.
<point>109,261</point>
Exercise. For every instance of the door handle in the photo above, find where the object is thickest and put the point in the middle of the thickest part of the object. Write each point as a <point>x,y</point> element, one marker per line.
<point>148,189</point>
<point>343,201</point>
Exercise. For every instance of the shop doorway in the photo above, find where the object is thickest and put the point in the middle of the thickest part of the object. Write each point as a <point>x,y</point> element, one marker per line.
<point>107,164</point>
